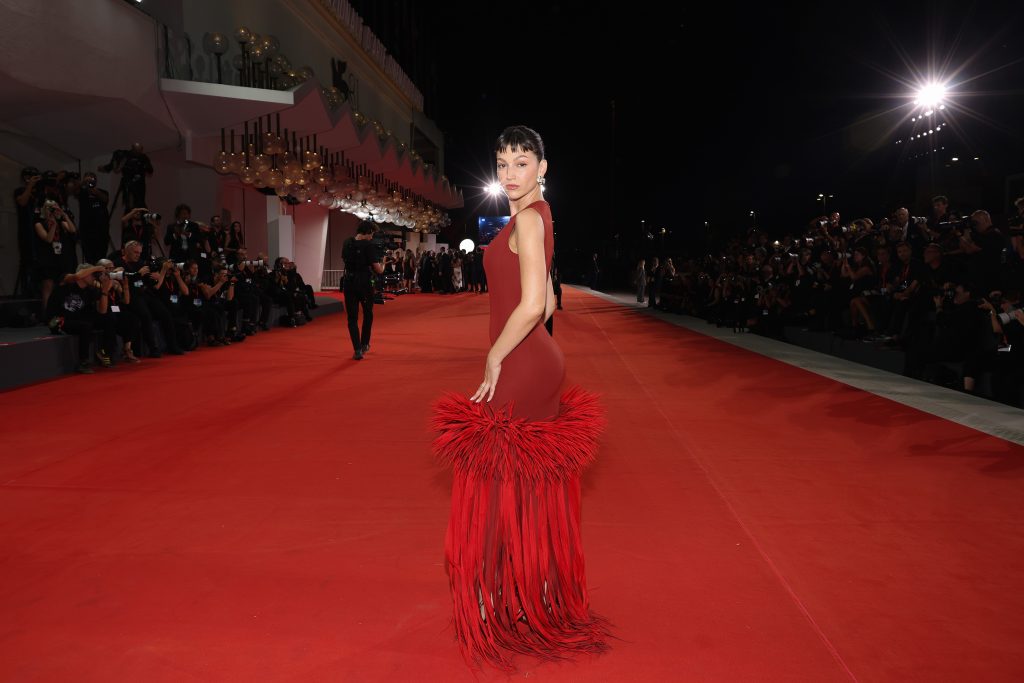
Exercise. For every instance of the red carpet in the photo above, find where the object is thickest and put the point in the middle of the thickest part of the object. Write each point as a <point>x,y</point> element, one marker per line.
<point>270,512</point>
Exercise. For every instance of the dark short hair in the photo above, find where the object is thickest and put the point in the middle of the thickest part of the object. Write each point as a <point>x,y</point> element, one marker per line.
<point>904,243</point>
<point>940,198</point>
<point>1019,201</point>
<point>29,171</point>
<point>181,207</point>
<point>521,138</point>
<point>366,228</point>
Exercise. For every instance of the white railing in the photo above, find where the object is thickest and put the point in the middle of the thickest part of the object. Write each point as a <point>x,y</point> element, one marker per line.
<point>331,279</point>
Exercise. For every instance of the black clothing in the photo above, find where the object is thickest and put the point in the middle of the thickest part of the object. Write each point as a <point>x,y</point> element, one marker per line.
<point>54,259</point>
<point>75,307</point>
<point>93,225</point>
<point>143,233</point>
<point>359,255</point>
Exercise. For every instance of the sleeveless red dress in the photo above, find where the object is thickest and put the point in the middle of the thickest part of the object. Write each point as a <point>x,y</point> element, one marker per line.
<point>513,550</point>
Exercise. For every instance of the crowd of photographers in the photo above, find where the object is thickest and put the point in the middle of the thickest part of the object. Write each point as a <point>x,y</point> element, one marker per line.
<point>946,289</point>
<point>203,286</point>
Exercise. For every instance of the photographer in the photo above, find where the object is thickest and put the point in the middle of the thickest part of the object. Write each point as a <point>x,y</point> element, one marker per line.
<point>362,258</point>
<point>218,291</point>
<point>284,290</point>
<point>79,305</point>
<point>26,200</point>
<point>55,246</point>
<point>1006,361</point>
<point>983,246</point>
<point>135,167</point>
<point>172,292</point>
<point>907,301</point>
<point>956,334</point>
<point>217,239</point>
<point>857,275</point>
<point>251,291</point>
<point>94,219</point>
<point>126,323</point>
<point>140,225</point>
<point>145,304</point>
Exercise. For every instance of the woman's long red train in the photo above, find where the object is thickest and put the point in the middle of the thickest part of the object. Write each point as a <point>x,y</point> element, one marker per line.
<point>513,548</point>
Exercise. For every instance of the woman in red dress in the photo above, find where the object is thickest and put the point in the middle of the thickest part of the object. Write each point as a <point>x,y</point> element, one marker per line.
<point>517,448</point>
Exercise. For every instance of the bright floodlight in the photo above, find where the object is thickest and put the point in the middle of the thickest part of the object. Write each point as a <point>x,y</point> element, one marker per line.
<point>494,188</point>
<point>466,245</point>
<point>931,95</point>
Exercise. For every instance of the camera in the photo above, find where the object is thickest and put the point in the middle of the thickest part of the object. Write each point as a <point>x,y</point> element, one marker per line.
<point>117,275</point>
<point>1006,317</point>
<point>256,263</point>
<point>89,184</point>
<point>956,224</point>
<point>152,216</point>
<point>180,266</point>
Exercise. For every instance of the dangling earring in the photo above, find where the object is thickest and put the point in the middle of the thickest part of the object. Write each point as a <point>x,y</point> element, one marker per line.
<point>541,180</point>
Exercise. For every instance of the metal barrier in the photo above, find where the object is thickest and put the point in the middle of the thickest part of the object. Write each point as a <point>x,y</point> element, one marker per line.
<point>331,279</point>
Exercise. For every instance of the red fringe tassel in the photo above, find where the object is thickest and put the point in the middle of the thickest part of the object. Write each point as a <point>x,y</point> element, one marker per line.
<point>513,547</point>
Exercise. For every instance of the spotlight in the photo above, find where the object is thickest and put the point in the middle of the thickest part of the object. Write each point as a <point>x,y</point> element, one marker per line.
<point>930,95</point>
<point>494,188</point>
<point>466,245</point>
<point>956,158</point>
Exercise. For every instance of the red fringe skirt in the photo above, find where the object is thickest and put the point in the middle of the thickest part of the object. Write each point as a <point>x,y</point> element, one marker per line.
<point>513,548</point>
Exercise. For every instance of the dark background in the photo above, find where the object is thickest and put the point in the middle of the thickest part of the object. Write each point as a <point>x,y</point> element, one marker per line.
<point>676,116</point>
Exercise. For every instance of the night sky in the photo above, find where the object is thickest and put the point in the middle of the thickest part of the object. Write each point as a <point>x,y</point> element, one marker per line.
<point>677,116</point>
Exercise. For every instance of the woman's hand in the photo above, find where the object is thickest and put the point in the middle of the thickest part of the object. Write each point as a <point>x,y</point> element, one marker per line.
<point>491,371</point>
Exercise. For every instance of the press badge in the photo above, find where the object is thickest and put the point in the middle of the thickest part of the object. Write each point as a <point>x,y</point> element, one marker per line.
<point>137,283</point>
<point>174,298</point>
<point>115,309</point>
<point>203,255</point>
<point>197,302</point>
<point>58,248</point>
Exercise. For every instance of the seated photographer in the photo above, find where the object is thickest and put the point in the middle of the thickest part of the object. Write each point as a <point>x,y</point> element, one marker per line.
<point>908,300</point>
<point>959,331</point>
<point>79,305</point>
<point>140,225</point>
<point>875,303</point>
<point>193,304</point>
<point>857,277</point>
<point>285,291</point>
<point>144,302</point>
<point>126,323</point>
<point>172,291</point>
<point>1006,361</point>
<point>251,291</point>
<point>55,245</point>
<point>218,290</point>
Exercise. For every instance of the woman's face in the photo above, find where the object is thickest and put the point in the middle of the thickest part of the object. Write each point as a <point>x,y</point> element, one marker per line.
<point>858,258</point>
<point>518,172</point>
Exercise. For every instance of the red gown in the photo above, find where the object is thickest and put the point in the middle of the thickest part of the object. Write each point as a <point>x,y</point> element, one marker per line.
<point>513,549</point>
